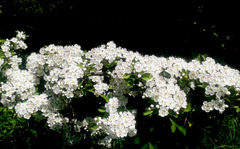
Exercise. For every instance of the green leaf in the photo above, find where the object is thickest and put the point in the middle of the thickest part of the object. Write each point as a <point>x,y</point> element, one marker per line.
<point>1,109</point>
<point>201,57</point>
<point>215,34</point>
<point>134,61</point>
<point>151,129</point>
<point>79,85</point>
<point>201,86</point>
<point>204,56</point>
<point>111,64</point>
<point>34,132</point>
<point>126,76</point>
<point>148,112</point>
<point>189,108</point>
<point>165,74</point>
<point>130,82</point>
<point>237,109</point>
<point>146,76</point>
<point>198,58</point>
<point>148,146</point>
<point>91,90</point>
<point>101,110</point>
<point>80,65</point>
<point>173,128</point>
<point>94,127</point>
<point>2,41</point>
<point>228,37</point>
<point>213,26</point>
<point>180,128</point>
<point>136,140</point>
<point>228,100</point>
<point>106,98</point>
<point>122,108</point>
<point>4,131</point>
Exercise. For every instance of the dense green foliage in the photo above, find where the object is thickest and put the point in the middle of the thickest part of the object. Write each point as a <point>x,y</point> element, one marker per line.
<point>21,133</point>
<point>203,131</point>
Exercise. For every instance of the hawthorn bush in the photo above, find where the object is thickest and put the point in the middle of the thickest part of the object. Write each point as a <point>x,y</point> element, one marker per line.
<point>112,97</point>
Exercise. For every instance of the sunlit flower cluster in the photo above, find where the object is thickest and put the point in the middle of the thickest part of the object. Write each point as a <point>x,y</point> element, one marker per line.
<point>15,43</point>
<point>118,125</point>
<point>214,104</point>
<point>59,75</point>
<point>32,105</point>
<point>20,85</point>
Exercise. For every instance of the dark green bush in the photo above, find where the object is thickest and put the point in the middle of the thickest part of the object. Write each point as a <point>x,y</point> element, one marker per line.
<point>21,133</point>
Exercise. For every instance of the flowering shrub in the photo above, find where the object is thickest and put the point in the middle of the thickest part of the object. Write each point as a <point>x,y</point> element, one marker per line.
<point>87,93</point>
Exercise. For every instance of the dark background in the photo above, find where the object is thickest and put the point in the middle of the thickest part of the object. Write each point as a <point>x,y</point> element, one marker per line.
<point>172,28</point>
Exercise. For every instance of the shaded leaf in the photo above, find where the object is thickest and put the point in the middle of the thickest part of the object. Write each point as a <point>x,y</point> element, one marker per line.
<point>105,98</point>
<point>180,127</point>
<point>148,146</point>
<point>166,74</point>
<point>136,140</point>
<point>215,34</point>
<point>173,128</point>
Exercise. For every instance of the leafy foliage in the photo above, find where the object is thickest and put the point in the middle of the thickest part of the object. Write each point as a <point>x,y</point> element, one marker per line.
<point>19,133</point>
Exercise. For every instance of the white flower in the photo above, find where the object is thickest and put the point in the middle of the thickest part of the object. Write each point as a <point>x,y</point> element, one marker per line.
<point>210,90</point>
<point>5,48</point>
<point>14,40</point>
<point>138,67</point>
<point>207,106</point>
<point>21,35</point>
<point>192,75</point>
<point>192,85</point>
<point>8,54</point>
<point>1,62</point>
<point>220,105</point>
<point>21,45</point>
<point>100,88</point>
<point>163,111</point>
<point>112,105</point>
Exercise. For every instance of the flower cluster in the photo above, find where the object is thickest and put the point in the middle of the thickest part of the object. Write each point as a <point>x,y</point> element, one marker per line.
<point>214,104</point>
<point>15,43</point>
<point>59,76</point>
<point>118,125</point>
<point>20,86</point>
<point>59,67</point>
<point>32,105</point>
<point>218,81</point>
